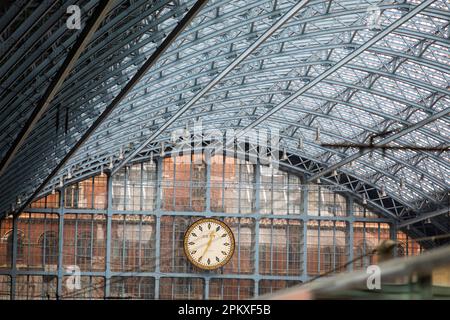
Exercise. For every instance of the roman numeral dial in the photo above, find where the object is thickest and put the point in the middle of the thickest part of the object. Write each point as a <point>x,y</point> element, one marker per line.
<point>209,244</point>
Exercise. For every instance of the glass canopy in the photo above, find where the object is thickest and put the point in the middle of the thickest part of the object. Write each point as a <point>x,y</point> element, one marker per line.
<point>294,81</point>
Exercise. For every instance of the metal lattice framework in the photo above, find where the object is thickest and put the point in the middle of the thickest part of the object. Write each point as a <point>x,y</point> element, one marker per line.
<point>298,67</point>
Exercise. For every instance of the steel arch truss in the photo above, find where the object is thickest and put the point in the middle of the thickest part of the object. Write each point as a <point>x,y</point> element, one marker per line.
<point>399,81</point>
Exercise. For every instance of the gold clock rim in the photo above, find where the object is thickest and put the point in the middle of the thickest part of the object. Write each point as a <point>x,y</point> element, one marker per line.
<point>195,224</point>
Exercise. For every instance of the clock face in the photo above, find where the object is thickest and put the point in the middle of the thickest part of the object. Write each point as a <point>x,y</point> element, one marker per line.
<point>209,244</point>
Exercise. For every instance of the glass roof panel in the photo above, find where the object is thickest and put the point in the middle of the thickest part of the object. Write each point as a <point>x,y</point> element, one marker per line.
<point>401,80</point>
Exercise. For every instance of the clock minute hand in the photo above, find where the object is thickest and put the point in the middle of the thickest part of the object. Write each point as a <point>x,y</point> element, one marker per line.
<point>208,244</point>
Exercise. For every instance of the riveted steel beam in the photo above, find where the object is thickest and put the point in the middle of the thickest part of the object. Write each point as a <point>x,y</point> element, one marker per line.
<point>424,216</point>
<point>341,63</point>
<point>269,32</point>
<point>91,26</point>
<point>384,141</point>
<point>123,93</point>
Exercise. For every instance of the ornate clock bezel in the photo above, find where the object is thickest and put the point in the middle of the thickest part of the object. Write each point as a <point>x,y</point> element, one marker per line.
<point>193,226</point>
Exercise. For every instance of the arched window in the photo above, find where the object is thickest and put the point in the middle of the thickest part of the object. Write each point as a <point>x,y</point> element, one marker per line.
<point>363,251</point>
<point>148,253</point>
<point>49,248</point>
<point>84,248</point>
<point>359,260</point>
<point>20,246</point>
<point>328,259</point>
<point>333,258</point>
<point>340,258</point>
<point>401,250</point>
<point>180,262</point>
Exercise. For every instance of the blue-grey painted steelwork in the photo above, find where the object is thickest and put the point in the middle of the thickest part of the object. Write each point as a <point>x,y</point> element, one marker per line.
<point>369,94</point>
<point>108,274</point>
<point>108,240</point>
<point>61,270</point>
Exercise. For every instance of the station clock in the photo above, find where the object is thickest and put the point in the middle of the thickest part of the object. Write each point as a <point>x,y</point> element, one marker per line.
<point>209,244</point>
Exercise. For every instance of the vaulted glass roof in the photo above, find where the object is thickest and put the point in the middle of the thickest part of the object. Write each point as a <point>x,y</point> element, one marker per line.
<point>399,85</point>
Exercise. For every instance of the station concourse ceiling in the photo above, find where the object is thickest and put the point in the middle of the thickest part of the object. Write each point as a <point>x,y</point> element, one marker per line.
<point>355,71</point>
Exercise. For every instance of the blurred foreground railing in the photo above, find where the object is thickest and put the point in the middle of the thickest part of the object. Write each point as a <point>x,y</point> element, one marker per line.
<point>426,276</point>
